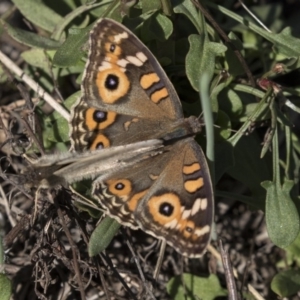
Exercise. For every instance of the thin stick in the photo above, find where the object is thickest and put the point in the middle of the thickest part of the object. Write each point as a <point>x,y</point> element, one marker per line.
<point>6,204</point>
<point>251,289</point>
<point>33,85</point>
<point>113,268</point>
<point>231,286</point>
<point>160,259</point>
<point>137,262</point>
<point>254,16</point>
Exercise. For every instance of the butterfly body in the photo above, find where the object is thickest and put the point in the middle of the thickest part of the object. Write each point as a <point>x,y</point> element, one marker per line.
<point>127,98</point>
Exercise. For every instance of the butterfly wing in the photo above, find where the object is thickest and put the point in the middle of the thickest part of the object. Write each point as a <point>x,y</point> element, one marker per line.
<point>127,96</point>
<point>169,196</point>
<point>181,209</point>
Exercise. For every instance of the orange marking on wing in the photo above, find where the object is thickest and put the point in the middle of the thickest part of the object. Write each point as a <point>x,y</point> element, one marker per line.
<point>191,168</point>
<point>110,119</point>
<point>100,139</point>
<point>92,124</point>
<point>133,202</point>
<point>119,187</point>
<point>128,123</point>
<point>115,54</point>
<point>89,119</point>
<point>159,95</point>
<point>195,237</point>
<point>188,229</point>
<point>192,186</point>
<point>154,206</point>
<point>111,96</point>
<point>148,80</point>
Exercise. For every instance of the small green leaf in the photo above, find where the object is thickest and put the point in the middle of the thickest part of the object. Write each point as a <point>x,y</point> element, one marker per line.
<point>56,126</point>
<point>37,58</point>
<point>102,235</point>
<point>30,39</point>
<point>286,44</point>
<point>166,25</point>
<point>150,6</point>
<point>5,287</point>
<point>223,128</point>
<point>39,13</point>
<point>281,213</point>
<point>231,103</point>
<point>286,283</point>
<point>201,58</point>
<point>187,8</point>
<point>71,51</point>
<point>195,287</point>
<point>250,108</point>
<point>158,27</point>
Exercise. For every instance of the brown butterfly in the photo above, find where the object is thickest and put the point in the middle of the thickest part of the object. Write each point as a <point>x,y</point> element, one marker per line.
<point>127,98</point>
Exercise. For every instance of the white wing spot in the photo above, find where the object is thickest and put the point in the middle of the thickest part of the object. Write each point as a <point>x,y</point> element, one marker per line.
<point>123,211</point>
<point>134,60</point>
<point>122,62</point>
<point>171,224</point>
<point>202,231</point>
<point>203,204</point>
<point>121,36</point>
<point>141,56</point>
<point>104,66</point>
<point>115,203</point>
<point>196,206</point>
<point>186,214</point>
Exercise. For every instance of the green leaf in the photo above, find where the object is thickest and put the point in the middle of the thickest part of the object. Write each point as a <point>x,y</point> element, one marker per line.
<point>195,288</point>
<point>5,287</point>
<point>249,110</point>
<point>166,25</point>
<point>156,28</point>
<point>71,51</point>
<point>37,58</point>
<point>187,8</point>
<point>223,128</point>
<point>150,6</point>
<point>38,13</point>
<point>201,58</point>
<point>56,127</point>
<point>286,283</point>
<point>292,253</point>
<point>30,39</point>
<point>230,102</point>
<point>283,42</point>
<point>281,213</point>
<point>282,217</point>
<point>102,235</point>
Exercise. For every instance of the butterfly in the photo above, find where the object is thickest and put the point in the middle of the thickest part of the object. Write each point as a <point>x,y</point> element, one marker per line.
<point>128,98</point>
